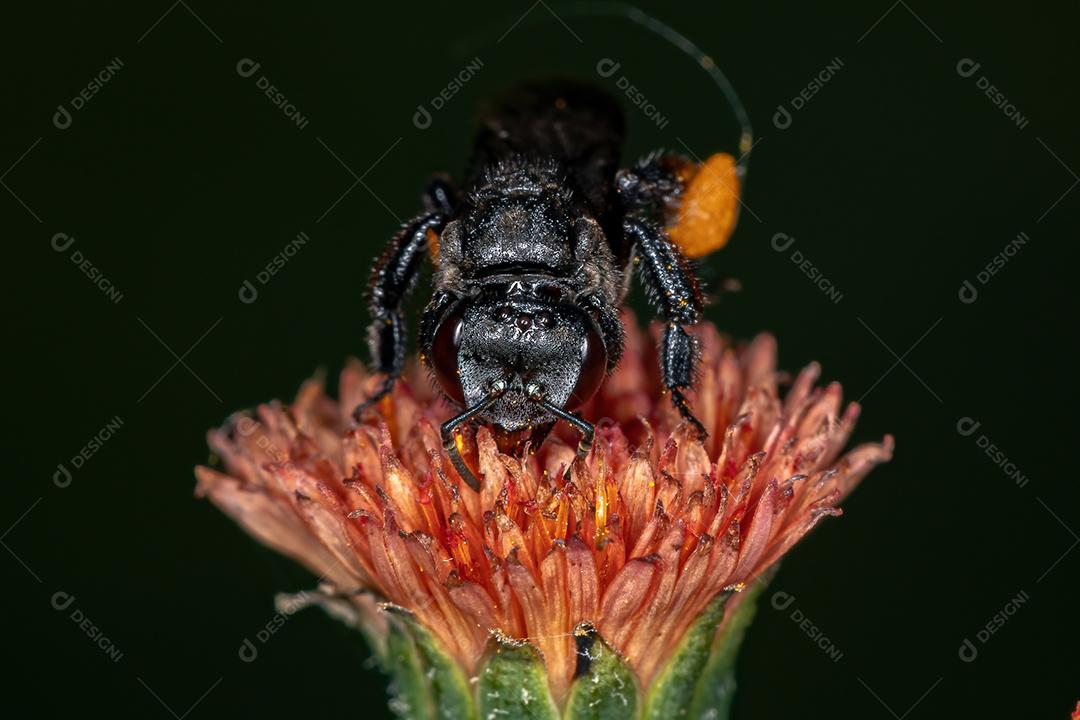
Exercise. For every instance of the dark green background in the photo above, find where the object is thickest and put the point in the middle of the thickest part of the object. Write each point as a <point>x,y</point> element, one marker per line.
<point>179,180</point>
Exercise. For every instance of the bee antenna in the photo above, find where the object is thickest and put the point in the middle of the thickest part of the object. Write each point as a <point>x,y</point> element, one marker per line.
<point>666,32</point>
<point>703,59</point>
<point>536,394</point>
<point>449,439</point>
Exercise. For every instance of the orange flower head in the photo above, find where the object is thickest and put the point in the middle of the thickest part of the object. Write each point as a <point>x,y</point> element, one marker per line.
<point>631,544</point>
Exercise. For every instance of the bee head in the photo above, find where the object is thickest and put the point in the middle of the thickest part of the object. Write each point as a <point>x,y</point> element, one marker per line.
<point>526,339</point>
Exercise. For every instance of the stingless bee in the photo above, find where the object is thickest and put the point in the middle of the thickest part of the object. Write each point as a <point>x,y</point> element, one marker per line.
<point>532,264</point>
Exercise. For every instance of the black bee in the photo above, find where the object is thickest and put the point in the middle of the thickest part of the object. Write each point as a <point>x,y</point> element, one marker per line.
<point>533,262</point>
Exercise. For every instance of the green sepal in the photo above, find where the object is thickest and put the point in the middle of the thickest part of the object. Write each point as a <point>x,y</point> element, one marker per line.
<point>604,686</point>
<point>716,686</point>
<point>673,689</point>
<point>409,694</point>
<point>513,682</point>
<point>444,693</point>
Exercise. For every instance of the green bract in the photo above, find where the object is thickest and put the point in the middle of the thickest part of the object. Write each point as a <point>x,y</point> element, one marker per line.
<point>697,681</point>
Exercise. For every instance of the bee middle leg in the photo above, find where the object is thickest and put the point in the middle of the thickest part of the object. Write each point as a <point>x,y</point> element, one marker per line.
<point>672,288</point>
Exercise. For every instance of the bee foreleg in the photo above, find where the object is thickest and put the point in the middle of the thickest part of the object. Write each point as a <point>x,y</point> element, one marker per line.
<point>391,280</point>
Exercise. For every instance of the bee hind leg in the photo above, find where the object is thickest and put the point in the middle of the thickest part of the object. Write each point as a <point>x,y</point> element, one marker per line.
<point>672,288</point>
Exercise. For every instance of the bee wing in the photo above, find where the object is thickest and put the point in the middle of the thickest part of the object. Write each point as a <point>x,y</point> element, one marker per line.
<point>708,207</point>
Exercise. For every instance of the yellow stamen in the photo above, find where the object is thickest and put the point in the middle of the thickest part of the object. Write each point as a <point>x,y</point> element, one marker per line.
<point>605,493</point>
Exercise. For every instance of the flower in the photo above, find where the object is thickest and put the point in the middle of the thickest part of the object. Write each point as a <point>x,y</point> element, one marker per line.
<point>635,547</point>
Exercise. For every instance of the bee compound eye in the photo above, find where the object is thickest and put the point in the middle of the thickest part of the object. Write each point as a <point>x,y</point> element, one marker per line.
<point>593,369</point>
<point>444,355</point>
